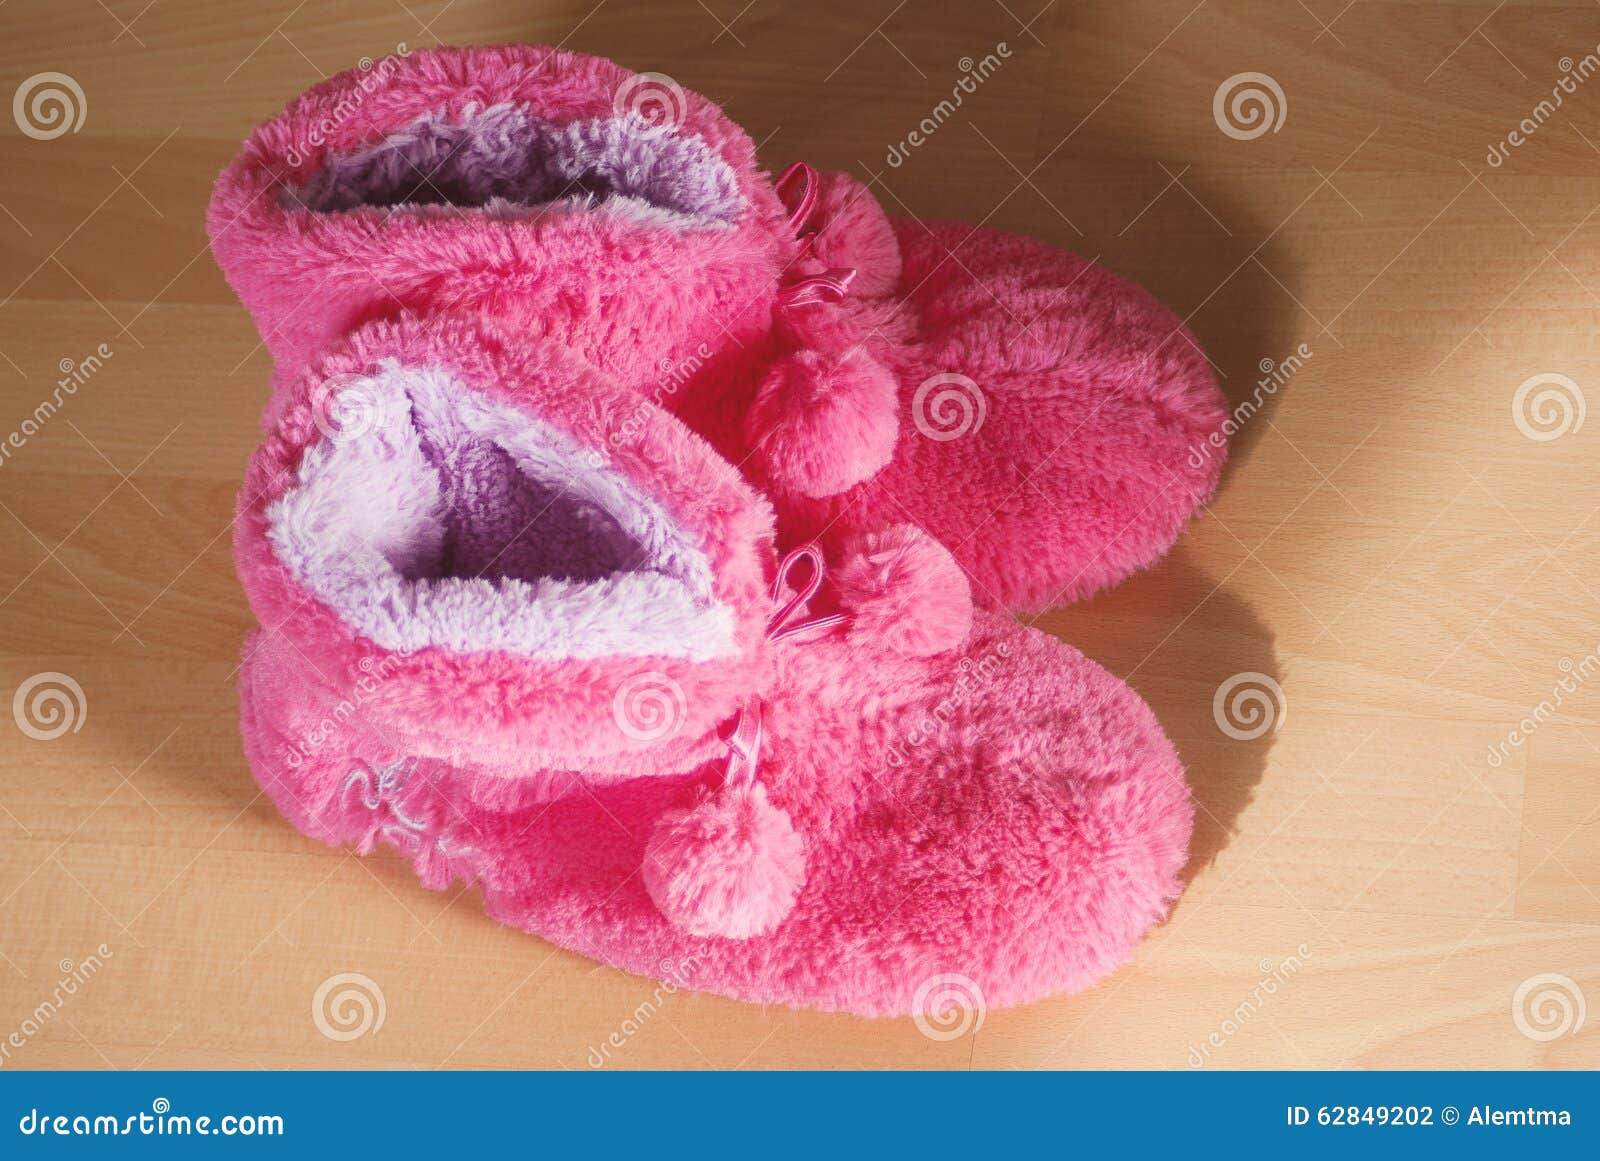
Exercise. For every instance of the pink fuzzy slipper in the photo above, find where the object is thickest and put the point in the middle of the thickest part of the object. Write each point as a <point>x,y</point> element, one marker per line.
<point>1035,413</point>
<point>534,636</point>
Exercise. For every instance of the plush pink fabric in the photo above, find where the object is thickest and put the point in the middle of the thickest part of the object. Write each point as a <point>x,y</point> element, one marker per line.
<point>988,803</point>
<point>1058,459</point>
<point>498,706</point>
<point>635,298</point>
<point>1052,458</point>
<point>905,591</point>
<point>730,865</point>
<point>824,422</point>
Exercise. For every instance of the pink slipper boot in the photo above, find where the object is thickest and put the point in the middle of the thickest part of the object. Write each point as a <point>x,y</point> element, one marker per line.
<point>1049,422</point>
<point>567,667</point>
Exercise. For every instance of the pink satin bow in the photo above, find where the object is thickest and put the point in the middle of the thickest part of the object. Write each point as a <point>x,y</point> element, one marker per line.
<point>744,740</point>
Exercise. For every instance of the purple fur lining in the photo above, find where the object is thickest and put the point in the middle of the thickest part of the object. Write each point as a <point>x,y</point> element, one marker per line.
<point>504,155</point>
<point>445,520</point>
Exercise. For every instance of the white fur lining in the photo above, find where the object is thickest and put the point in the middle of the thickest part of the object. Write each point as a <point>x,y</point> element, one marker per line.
<point>367,503</point>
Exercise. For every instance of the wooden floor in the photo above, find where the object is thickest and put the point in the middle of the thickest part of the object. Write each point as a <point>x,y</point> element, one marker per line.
<point>1398,872</point>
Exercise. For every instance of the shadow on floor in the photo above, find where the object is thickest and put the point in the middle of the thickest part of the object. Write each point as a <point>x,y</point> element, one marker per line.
<point>1178,638</point>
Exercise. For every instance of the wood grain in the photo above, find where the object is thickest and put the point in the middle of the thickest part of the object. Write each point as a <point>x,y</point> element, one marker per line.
<point>1388,545</point>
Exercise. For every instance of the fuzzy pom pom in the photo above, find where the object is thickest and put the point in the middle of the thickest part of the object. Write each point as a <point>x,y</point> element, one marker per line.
<point>824,422</point>
<point>731,866</point>
<point>903,588</point>
<point>856,233</point>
